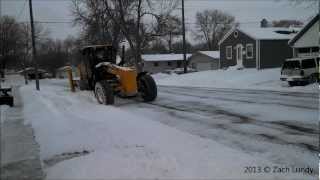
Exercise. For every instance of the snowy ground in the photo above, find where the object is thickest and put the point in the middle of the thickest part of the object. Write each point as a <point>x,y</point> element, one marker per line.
<point>267,79</point>
<point>187,133</point>
<point>19,156</point>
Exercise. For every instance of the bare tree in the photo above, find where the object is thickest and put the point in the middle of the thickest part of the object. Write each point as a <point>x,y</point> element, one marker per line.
<point>135,20</point>
<point>212,25</point>
<point>10,36</point>
<point>98,28</point>
<point>169,29</point>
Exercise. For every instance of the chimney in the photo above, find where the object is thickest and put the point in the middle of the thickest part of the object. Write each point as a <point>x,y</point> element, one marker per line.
<point>264,23</point>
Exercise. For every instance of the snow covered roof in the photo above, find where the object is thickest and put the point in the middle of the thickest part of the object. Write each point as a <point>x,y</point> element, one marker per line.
<point>268,33</point>
<point>213,54</point>
<point>163,57</point>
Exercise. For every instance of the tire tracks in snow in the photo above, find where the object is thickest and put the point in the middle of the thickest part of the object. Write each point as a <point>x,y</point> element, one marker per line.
<point>233,129</point>
<point>239,100</point>
<point>241,119</point>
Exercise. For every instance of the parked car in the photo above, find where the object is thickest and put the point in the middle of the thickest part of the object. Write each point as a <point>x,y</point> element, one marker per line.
<point>300,71</point>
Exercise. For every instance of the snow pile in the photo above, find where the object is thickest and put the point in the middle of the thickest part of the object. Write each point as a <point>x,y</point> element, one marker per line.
<point>122,145</point>
<point>267,79</point>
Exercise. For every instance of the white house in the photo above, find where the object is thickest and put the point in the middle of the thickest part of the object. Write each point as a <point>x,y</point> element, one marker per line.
<point>155,63</point>
<point>306,42</point>
<point>205,60</point>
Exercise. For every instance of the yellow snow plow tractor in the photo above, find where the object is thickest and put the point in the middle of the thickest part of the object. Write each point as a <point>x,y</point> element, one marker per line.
<point>99,72</point>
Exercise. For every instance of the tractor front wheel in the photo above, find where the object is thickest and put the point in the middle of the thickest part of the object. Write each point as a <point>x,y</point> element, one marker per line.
<point>147,88</point>
<point>104,93</point>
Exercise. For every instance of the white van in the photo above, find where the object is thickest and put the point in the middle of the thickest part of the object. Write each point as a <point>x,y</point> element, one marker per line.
<point>300,71</point>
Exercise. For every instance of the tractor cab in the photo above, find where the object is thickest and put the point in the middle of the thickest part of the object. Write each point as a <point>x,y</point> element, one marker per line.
<point>99,53</point>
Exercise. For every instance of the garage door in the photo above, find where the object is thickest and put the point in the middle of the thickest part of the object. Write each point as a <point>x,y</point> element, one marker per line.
<point>203,66</point>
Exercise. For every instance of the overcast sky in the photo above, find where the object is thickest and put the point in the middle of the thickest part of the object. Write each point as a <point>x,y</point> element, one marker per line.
<point>247,12</point>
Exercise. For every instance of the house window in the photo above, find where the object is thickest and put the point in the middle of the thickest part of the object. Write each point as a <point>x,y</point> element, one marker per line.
<point>304,50</point>
<point>249,51</point>
<point>169,63</point>
<point>156,64</point>
<point>309,51</point>
<point>229,52</point>
<point>235,34</point>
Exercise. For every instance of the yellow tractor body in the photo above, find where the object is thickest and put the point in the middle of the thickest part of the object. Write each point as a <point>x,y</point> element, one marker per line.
<point>127,77</point>
<point>99,72</point>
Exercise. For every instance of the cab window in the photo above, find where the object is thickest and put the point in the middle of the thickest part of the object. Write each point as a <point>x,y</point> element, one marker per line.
<point>291,65</point>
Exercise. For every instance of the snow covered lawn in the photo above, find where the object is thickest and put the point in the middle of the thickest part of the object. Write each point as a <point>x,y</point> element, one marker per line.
<point>267,79</point>
<point>123,145</point>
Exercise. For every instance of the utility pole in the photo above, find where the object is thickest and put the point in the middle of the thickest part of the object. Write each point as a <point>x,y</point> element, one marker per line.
<point>26,33</point>
<point>138,37</point>
<point>185,70</point>
<point>1,43</point>
<point>34,50</point>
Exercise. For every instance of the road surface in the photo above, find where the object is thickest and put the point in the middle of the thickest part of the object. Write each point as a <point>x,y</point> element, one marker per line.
<point>280,126</point>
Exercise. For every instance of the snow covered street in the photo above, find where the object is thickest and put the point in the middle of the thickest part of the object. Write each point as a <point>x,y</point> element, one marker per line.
<point>186,133</point>
<point>280,126</point>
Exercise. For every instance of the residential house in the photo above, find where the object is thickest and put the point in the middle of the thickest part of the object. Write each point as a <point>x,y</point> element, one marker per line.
<point>155,63</point>
<point>204,60</point>
<point>263,47</point>
<point>306,42</point>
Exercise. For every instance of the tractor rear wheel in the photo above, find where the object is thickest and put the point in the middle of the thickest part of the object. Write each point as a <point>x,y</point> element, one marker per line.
<point>104,93</point>
<point>147,88</point>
